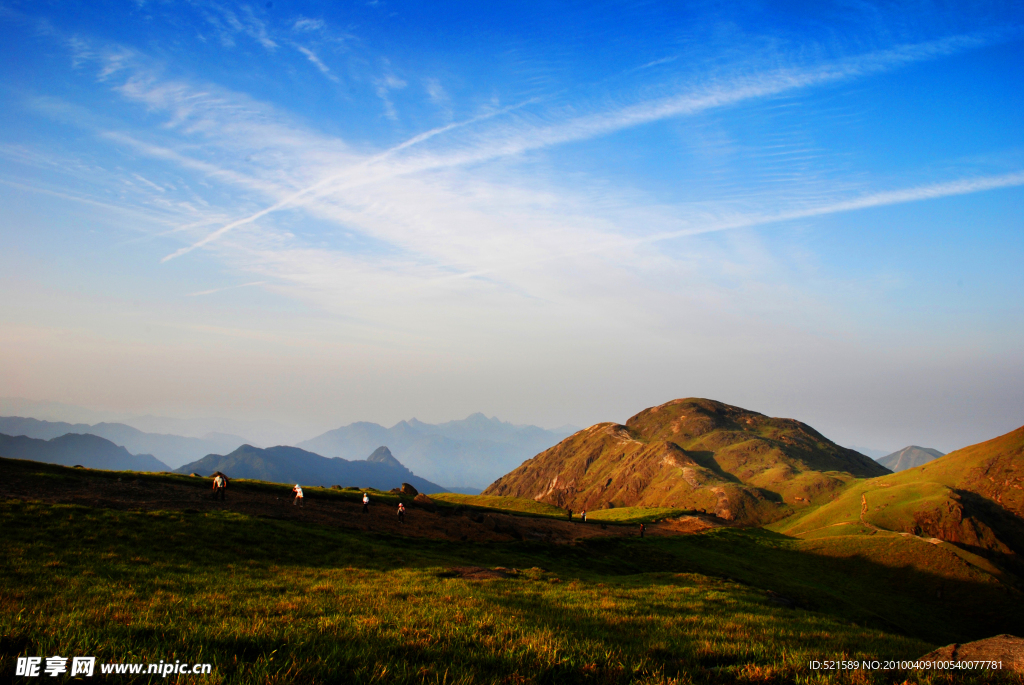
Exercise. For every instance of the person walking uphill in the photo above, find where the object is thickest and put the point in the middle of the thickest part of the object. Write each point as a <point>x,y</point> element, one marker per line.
<point>298,495</point>
<point>401,513</point>
<point>220,484</point>
<point>366,503</point>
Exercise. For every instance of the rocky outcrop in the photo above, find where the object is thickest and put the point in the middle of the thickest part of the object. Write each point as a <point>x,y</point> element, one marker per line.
<point>1007,650</point>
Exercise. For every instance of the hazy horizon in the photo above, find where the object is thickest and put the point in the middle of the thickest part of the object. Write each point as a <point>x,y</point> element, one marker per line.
<point>316,214</point>
<point>58,412</point>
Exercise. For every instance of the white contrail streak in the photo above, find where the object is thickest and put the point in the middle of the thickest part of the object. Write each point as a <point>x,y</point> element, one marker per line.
<point>881,199</point>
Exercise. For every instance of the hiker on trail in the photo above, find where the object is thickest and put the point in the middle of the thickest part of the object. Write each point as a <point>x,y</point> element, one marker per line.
<point>570,514</point>
<point>584,516</point>
<point>298,495</point>
<point>366,503</point>
<point>220,484</point>
<point>401,513</point>
<point>641,531</point>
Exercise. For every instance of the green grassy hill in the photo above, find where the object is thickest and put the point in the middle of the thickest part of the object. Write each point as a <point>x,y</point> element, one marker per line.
<point>972,497</point>
<point>692,454</point>
<point>993,469</point>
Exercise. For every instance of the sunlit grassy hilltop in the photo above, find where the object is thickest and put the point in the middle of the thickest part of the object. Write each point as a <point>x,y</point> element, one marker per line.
<point>692,454</point>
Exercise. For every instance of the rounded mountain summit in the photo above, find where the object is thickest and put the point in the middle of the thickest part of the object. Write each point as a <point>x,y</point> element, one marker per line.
<point>692,454</point>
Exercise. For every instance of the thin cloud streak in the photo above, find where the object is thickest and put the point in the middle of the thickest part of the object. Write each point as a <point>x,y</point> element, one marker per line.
<point>881,199</point>
<point>312,57</point>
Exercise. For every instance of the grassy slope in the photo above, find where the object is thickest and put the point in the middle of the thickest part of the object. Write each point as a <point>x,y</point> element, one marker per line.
<point>271,601</point>
<point>634,514</point>
<point>509,505</point>
<point>528,507</point>
<point>993,469</point>
<point>972,497</point>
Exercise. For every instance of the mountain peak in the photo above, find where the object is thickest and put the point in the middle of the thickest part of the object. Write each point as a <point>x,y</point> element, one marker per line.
<point>481,418</point>
<point>690,453</point>
<point>909,457</point>
<point>382,455</point>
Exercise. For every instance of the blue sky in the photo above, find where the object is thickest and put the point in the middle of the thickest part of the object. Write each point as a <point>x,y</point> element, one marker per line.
<point>549,212</point>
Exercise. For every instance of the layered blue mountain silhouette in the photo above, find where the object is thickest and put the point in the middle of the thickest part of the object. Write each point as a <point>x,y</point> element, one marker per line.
<point>74,449</point>
<point>293,465</point>
<point>464,455</point>
<point>174,450</point>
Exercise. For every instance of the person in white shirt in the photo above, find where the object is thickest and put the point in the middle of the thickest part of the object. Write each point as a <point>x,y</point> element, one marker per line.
<point>298,495</point>
<point>220,484</point>
<point>366,503</point>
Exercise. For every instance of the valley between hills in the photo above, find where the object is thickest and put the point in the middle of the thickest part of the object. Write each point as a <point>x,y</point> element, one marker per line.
<point>764,547</point>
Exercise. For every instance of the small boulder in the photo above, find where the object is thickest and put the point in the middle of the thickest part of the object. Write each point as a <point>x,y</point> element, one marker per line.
<point>1005,648</point>
<point>409,490</point>
<point>195,475</point>
<point>425,502</point>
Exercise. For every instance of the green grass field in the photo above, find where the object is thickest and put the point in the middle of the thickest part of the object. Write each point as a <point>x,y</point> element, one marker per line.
<point>633,514</point>
<point>510,505</point>
<point>528,507</point>
<point>269,601</point>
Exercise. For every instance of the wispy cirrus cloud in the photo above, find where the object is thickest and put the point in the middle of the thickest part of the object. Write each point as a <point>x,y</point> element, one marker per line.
<point>315,61</point>
<point>229,23</point>
<point>505,139</point>
<point>441,224</point>
<point>307,24</point>
<point>385,85</point>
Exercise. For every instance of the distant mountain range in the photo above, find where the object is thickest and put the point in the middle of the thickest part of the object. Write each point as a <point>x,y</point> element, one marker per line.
<point>174,450</point>
<point>467,454</point>
<point>909,457</point>
<point>256,432</point>
<point>293,465</point>
<point>464,454</point>
<point>259,433</point>
<point>695,454</point>
<point>73,449</point>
